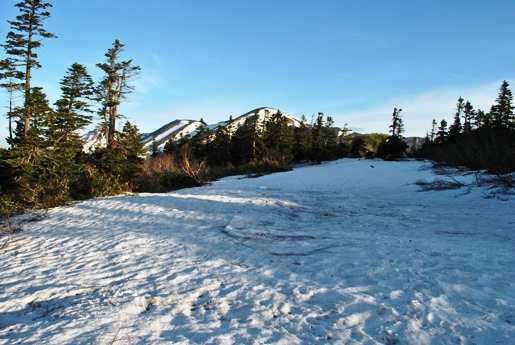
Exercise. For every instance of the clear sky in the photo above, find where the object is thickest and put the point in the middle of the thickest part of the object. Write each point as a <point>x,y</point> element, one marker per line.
<point>352,60</point>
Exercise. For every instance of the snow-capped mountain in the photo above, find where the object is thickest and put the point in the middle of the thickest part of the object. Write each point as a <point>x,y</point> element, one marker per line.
<point>175,129</point>
<point>93,139</point>
<point>186,128</point>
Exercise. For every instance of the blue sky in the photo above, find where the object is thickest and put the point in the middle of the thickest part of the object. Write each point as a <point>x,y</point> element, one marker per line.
<point>352,60</point>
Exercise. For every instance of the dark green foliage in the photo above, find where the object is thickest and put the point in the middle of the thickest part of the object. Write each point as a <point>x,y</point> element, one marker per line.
<point>247,142</point>
<point>31,162</point>
<point>358,148</point>
<point>154,149</point>
<point>200,142</point>
<point>64,151</point>
<point>21,42</point>
<point>111,171</point>
<point>132,146</point>
<point>392,148</point>
<point>104,173</point>
<point>486,148</point>
<point>482,119</point>
<point>469,114</point>
<point>278,139</point>
<point>372,142</point>
<point>74,107</point>
<point>343,148</point>
<point>172,146</point>
<point>220,147</point>
<point>114,88</point>
<point>323,140</point>
<point>45,165</point>
<point>502,112</point>
<point>397,126</point>
<point>487,141</point>
<point>301,149</point>
<point>442,133</point>
<point>432,135</point>
<point>456,128</point>
<point>317,139</point>
<point>45,160</point>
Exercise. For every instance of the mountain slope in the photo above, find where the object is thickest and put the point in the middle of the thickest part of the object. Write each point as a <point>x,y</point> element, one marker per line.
<point>174,129</point>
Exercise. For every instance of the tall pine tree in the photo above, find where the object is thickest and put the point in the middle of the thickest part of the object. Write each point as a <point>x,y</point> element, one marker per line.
<point>21,43</point>
<point>74,111</point>
<point>394,147</point>
<point>502,111</point>
<point>278,138</point>
<point>469,114</point>
<point>114,88</point>
<point>456,127</point>
<point>10,81</point>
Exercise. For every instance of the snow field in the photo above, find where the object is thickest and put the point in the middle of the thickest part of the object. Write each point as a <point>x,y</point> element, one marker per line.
<point>341,253</point>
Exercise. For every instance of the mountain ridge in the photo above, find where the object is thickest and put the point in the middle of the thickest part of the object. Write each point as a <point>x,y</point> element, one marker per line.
<point>185,128</point>
<point>179,128</point>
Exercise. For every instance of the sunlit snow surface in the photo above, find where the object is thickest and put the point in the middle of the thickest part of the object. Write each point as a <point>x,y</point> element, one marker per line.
<point>348,252</point>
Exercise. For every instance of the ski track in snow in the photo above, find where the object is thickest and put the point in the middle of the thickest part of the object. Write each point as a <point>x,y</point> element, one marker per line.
<point>338,253</point>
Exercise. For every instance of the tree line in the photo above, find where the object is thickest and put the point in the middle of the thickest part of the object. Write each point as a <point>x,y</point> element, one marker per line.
<point>476,139</point>
<point>45,165</point>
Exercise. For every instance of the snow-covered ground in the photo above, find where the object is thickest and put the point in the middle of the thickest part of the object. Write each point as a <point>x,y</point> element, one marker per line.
<point>348,252</point>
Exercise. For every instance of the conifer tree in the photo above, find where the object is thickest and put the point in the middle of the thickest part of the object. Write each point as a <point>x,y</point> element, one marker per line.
<point>394,147</point>
<point>171,147</point>
<point>31,146</point>
<point>220,152</point>
<point>114,87</point>
<point>481,119</point>
<point>73,109</point>
<point>323,139</point>
<point>330,139</point>
<point>302,142</point>
<point>358,148</point>
<point>441,135</point>
<point>469,115</point>
<point>64,147</point>
<point>278,138</point>
<point>400,128</point>
<point>200,141</point>
<point>132,146</point>
<point>246,142</point>
<point>396,126</point>
<point>21,42</point>
<point>29,160</point>
<point>317,139</point>
<point>154,148</point>
<point>433,130</point>
<point>114,170</point>
<point>502,111</point>
<point>10,81</point>
<point>456,128</point>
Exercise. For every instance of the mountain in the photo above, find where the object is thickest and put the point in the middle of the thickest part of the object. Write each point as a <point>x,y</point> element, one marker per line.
<point>188,128</point>
<point>185,128</point>
<point>175,129</point>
